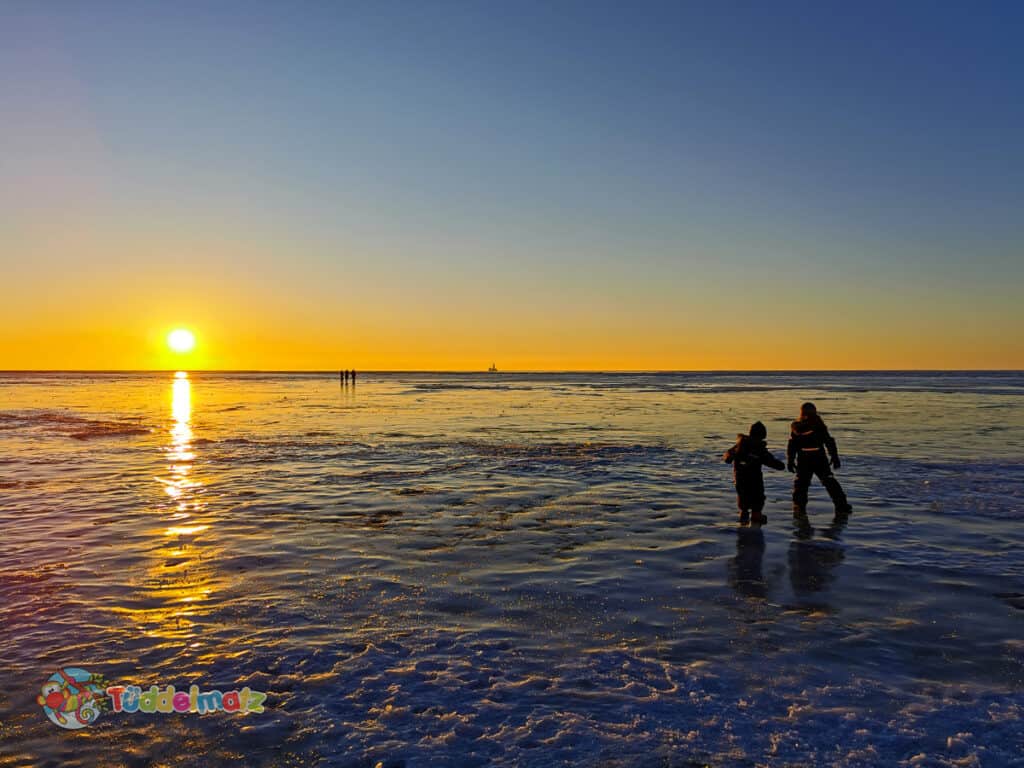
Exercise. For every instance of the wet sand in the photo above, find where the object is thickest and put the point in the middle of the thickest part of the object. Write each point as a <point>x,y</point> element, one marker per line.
<point>513,570</point>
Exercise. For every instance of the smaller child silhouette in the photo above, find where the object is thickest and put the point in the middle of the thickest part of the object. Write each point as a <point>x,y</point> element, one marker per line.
<point>747,457</point>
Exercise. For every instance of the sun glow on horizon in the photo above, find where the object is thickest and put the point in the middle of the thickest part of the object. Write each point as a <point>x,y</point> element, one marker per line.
<point>181,340</point>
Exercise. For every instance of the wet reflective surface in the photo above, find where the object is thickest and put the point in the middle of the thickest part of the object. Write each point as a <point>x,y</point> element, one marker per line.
<point>513,570</point>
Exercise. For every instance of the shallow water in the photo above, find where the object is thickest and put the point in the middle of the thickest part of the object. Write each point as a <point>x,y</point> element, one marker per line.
<point>513,570</point>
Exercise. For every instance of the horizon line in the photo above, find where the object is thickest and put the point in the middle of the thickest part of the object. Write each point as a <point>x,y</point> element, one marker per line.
<point>648,371</point>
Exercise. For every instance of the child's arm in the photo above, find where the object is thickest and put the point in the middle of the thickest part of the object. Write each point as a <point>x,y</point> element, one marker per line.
<point>830,445</point>
<point>767,457</point>
<point>791,452</point>
<point>729,455</point>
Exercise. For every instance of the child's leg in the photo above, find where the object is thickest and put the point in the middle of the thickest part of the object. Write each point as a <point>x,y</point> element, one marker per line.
<point>801,484</point>
<point>756,515</point>
<point>743,505</point>
<point>835,490</point>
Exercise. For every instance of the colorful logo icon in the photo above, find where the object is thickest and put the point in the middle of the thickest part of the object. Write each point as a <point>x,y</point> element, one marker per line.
<point>73,698</point>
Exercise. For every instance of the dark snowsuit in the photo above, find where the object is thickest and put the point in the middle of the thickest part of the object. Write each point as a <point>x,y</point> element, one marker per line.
<point>809,441</point>
<point>747,457</point>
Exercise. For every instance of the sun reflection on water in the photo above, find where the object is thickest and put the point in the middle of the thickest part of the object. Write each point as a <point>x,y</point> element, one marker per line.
<point>181,575</point>
<point>180,450</point>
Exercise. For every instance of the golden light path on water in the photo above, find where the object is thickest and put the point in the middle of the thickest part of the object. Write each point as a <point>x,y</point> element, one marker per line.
<point>180,450</point>
<point>179,578</point>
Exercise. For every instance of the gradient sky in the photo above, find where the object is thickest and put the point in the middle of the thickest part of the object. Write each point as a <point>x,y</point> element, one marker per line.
<point>546,186</point>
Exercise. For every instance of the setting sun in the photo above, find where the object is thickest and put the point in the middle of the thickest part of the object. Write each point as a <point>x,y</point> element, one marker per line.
<point>181,340</point>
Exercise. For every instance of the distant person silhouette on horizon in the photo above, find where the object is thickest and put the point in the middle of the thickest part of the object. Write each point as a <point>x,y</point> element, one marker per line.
<point>809,440</point>
<point>747,457</point>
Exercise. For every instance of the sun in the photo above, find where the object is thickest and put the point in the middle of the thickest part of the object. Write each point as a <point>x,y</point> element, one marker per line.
<point>181,340</point>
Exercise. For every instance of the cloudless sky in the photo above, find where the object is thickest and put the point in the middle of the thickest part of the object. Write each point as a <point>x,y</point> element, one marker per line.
<point>543,185</point>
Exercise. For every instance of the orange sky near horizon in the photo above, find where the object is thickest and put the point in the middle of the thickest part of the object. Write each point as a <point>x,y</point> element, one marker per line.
<point>250,331</point>
<point>88,302</point>
<point>104,298</point>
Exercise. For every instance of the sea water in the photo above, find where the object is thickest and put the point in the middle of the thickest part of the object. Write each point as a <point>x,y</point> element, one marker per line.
<point>513,569</point>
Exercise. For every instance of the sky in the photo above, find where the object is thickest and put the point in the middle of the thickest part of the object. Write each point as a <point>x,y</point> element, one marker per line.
<point>556,186</point>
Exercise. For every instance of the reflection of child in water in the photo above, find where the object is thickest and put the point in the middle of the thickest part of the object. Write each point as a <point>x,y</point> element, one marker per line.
<point>746,572</point>
<point>747,457</point>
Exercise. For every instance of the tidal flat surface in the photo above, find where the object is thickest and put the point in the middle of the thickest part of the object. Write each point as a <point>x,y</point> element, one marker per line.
<point>513,569</point>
